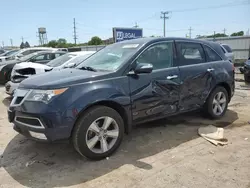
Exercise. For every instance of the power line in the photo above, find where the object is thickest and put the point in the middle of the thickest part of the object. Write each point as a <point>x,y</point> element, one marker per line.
<point>75,37</point>
<point>212,7</point>
<point>164,17</point>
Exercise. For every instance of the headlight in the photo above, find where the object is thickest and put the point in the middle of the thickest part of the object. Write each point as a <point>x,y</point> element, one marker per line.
<point>44,95</point>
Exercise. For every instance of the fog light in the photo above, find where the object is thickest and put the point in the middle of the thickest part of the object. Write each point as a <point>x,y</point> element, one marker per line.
<point>38,135</point>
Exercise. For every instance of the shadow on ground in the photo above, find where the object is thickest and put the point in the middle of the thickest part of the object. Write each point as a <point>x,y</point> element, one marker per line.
<point>57,165</point>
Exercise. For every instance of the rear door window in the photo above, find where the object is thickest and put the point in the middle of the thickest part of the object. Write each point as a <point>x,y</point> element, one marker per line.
<point>190,53</point>
<point>211,54</point>
<point>229,50</point>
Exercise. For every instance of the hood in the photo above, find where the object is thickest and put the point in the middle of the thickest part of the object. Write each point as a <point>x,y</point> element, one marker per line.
<point>60,78</point>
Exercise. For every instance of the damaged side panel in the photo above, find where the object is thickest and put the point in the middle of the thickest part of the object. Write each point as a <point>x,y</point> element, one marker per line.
<point>196,85</point>
<point>154,95</point>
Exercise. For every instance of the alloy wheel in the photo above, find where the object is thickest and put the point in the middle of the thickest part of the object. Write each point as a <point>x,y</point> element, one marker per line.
<point>102,134</point>
<point>219,103</point>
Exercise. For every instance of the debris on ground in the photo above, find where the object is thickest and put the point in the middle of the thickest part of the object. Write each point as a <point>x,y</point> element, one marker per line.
<point>45,162</point>
<point>213,134</point>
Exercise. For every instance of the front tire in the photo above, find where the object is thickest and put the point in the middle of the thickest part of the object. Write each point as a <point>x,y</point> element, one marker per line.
<point>98,132</point>
<point>217,103</point>
<point>246,78</point>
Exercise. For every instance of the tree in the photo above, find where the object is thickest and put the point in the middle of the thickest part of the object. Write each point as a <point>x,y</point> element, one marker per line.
<point>95,41</point>
<point>26,45</point>
<point>22,45</point>
<point>240,33</point>
<point>217,35</point>
<point>61,41</point>
<point>52,43</point>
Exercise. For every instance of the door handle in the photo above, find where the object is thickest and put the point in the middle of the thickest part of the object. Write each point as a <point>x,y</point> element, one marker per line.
<point>172,77</point>
<point>210,70</point>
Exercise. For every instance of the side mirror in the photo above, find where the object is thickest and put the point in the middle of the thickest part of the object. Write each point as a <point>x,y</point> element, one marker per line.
<point>143,68</point>
<point>70,65</point>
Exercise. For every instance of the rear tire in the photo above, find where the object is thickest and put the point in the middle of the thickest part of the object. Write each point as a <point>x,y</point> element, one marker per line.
<point>98,132</point>
<point>217,103</point>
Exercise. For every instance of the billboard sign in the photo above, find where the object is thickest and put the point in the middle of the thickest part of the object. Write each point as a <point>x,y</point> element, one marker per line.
<point>121,34</point>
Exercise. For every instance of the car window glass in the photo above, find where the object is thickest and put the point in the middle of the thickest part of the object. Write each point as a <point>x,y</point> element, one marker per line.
<point>42,57</point>
<point>190,53</point>
<point>211,54</point>
<point>223,50</point>
<point>227,48</point>
<point>58,55</point>
<point>60,60</point>
<point>27,52</point>
<point>159,55</point>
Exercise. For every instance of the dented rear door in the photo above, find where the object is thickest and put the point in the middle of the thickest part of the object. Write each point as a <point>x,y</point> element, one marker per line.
<point>195,74</point>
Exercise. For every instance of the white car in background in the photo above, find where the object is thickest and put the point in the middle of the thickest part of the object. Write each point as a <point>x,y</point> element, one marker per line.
<point>227,51</point>
<point>22,71</point>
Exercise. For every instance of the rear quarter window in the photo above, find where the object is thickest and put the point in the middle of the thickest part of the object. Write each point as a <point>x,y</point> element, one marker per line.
<point>211,54</point>
<point>227,48</point>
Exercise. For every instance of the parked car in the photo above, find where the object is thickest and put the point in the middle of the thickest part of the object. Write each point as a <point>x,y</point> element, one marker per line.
<point>24,70</point>
<point>2,51</point>
<point>8,53</point>
<point>42,57</point>
<point>228,52</point>
<point>26,51</point>
<point>246,70</point>
<point>123,84</point>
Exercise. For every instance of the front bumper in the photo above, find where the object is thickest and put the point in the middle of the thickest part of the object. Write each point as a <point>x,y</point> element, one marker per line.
<point>40,121</point>
<point>10,87</point>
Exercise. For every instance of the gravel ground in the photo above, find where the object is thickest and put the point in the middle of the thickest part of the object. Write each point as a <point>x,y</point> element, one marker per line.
<point>165,153</point>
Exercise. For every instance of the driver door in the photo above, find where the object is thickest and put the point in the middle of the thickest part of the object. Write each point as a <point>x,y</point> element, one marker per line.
<point>156,94</point>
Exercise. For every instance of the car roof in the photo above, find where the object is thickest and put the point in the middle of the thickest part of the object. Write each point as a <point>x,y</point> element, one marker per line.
<point>45,52</point>
<point>150,40</point>
<point>82,52</point>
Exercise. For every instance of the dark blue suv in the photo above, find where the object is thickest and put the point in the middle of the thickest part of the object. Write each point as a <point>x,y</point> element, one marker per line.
<point>124,84</point>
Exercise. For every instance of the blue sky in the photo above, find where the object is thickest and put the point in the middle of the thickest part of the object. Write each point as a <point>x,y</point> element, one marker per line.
<point>97,17</point>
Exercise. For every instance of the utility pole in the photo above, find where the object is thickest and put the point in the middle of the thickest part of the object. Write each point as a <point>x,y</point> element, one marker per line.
<point>224,31</point>
<point>136,25</point>
<point>164,17</point>
<point>214,35</point>
<point>190,32</point>
<point>22,38</point>
<point>11,42</point>
<point>75,37</point>
<point>3,44</point>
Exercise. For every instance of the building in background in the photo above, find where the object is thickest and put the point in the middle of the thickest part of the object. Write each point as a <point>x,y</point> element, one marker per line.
<point>239,44</point>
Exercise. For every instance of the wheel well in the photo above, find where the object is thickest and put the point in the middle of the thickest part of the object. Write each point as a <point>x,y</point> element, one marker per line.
<point>227,87</point>
<point>117,107</point>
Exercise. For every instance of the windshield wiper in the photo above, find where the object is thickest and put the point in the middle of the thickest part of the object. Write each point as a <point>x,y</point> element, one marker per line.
<point>88,68</point>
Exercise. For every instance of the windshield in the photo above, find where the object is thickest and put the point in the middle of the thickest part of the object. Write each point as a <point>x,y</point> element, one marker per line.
<point>60,60</point>
<point>27,57</point>
<point>110,57</point>
<point>79,59</point>
<point>12,52</point>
